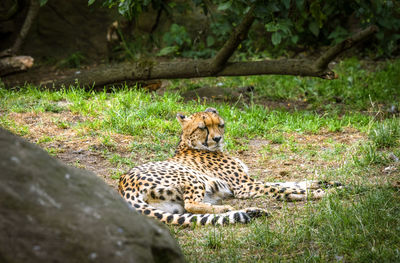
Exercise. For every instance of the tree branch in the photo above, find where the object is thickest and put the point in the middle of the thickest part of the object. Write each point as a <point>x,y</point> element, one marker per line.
<point>237,36</point>
<point>30,17</point>
<point>148,70</point>
<point>323,61</point>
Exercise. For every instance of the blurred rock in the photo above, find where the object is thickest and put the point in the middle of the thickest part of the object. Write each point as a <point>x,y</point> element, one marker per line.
<point>51,212</point>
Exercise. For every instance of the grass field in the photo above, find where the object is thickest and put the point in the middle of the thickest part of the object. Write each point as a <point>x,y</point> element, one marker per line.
<point>289,128</point>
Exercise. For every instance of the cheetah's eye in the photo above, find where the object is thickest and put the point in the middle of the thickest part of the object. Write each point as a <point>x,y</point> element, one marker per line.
<point>221,125</point>
<point>202,126</point>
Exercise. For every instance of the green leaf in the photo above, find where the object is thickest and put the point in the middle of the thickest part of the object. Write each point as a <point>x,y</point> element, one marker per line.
<point>380,35</point>
<point>262,12</point>
<point>338,34</point>
<point>42,2</point>
<point>294,39</point>
<point>224,6</point>
<point>90,2</point>
<point>210,41</point>
<point>314,28</point>
<point>271,27</point>
<point>300,4</point>
<point>286,3</point>
<point>272,7</point>
<point>276,38</point>
<point>168,50</point>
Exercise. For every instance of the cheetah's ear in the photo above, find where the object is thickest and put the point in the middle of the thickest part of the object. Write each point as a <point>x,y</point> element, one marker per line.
<point>211,110</point>
<point>181,118</point>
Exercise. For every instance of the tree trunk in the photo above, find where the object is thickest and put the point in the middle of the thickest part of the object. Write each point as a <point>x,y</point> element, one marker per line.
<point>30,17</point>
<point>9,63</point>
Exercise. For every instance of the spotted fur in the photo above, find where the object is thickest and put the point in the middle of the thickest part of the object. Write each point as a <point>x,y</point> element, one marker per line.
<point>189,187</point>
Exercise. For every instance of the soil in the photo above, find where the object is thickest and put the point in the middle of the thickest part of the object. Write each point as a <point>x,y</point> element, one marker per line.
<point>59,133</point>
<point>78,147</point>
<point>69,145</point>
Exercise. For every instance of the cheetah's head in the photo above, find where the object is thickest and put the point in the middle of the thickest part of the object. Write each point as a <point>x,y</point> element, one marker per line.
<point>202,130</point>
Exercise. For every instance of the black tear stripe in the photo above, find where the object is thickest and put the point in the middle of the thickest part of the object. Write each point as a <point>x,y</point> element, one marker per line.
<point>208,132</point>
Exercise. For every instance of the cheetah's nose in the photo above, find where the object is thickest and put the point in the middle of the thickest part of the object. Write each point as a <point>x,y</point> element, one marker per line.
<point>217,138</point>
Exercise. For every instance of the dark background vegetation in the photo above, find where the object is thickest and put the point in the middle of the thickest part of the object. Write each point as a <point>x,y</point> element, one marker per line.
<point>72,34</point>
<point>285,128</point>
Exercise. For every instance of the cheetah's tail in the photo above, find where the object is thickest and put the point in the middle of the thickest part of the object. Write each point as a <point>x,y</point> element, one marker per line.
<point>232,217</point>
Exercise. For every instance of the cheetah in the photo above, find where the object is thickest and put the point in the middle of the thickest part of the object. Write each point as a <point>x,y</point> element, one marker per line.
<point>189,187</point>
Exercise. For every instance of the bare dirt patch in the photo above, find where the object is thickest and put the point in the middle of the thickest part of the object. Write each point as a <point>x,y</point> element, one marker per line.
<point>62,135</point>
<point>281,163</point>
<point>296,164</point>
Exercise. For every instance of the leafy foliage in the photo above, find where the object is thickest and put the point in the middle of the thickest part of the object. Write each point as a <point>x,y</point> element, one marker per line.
<point>284,24</point>
<point>73,61</point>
<point>176,40</point>
<point>129,8</point>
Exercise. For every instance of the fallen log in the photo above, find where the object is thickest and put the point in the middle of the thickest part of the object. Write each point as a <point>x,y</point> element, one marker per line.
<point>9,65</point>
<point>149,69</point>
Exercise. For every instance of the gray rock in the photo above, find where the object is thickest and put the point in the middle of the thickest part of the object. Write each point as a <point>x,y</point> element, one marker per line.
<point>51,212</point>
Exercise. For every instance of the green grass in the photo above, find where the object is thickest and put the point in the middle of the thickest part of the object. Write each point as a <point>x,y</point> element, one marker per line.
<point>10,124</point>
<point>368,154</point>
<point>137,113</point>
<point>386,133</point>
<point>355,88</point>
<point>358,224</point>
<point>364,229</point>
